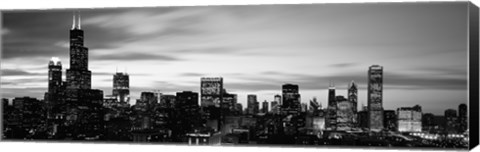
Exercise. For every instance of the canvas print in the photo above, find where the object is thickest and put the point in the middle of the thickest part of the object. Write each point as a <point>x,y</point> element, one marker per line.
<point>385,75</point>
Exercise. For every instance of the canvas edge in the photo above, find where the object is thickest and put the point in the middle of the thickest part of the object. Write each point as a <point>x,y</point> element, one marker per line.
<point>473,74</point>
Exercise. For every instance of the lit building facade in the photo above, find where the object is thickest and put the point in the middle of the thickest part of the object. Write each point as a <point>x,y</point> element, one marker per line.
<point>409,119</point>
<point>344,114</point>
<point>211,90</point>
<point>121,87</point>
<point>375,97</point>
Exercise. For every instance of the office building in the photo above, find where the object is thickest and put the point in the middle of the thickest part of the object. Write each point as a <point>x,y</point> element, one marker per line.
<point>211,89</point>
<point>409,119</point>
<point>121,87</point>
<point>375,97</point>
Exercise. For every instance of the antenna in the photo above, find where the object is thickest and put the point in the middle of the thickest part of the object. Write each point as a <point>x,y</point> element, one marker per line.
<point>73,24</point>
<point>79,20</point>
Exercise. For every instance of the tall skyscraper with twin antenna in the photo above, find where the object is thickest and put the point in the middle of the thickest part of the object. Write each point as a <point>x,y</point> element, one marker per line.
<point>78,75</point>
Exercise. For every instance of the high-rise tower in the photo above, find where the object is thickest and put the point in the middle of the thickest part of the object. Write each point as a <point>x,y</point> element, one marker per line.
<point>290,98</point>
<point>78,76</point>
<point>211,89</point>
<point>54,76</point>
<point>375,94</point>
<point>331,116</point>
<point>121,85</point>
<point>353,95</point>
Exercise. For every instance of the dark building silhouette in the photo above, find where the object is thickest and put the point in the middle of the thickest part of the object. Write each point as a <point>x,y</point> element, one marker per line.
<point>149,98</point>
<point>81,115</point>
<point>187,116</point>
<point>462,118</point>
<point>54,78</point>
<point>211,90</point>
<point>314,106</point>
<point>228,104</point>
<point>265,106</point>
<point>375,93</point>
<point>55,87</point>
<point>290,99</point>
<point>252,104</point>
<point>390,120</point>
<point>78,76</point>
<point>362,118</point>
<point>146,103</point>
<point>121,87</point>
<point>168,101</point>
<point>29,112</point>
<point>428,122</point>
<point>4,103</point>
<point>331,116</point>
<point>451,121</point>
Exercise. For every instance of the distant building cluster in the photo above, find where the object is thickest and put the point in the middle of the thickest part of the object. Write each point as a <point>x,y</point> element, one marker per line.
<point>72,110</point>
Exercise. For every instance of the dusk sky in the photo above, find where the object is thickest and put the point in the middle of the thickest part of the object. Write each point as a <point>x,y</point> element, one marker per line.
<point>256,49</point>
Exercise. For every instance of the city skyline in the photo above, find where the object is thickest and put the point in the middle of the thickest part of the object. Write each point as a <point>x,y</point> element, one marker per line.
<point>189,43</point>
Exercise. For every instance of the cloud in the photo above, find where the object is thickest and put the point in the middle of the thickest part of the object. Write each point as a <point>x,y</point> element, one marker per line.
<point>191,74</point>
<point>18,72</point>
<point>21,52</point>
<point>36,92</point>
<point>342,65</point>
<point>133,56</point>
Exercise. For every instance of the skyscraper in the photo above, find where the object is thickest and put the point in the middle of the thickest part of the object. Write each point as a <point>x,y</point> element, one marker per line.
<point>121,85</point>
<point>278,99</point>
<point>78,76</point>
<point>265,106</point>
<point>344,114</point>
<point>462,118</point>
<point>251,104</point>
<point>290,98</point>
<point>353,95</point>
<point>331,116</point>
<point>274,107</point>
<point>390,120</point>
<point>375,91</point>
<point>451,123</point>
<point>211,90</point>
<point>78,93</point>
<point>55,82</point>
<point>187,110</point>
<point>409,119</point>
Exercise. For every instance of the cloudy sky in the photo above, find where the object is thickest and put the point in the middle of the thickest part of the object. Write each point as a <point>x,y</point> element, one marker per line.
<point>256,49</point>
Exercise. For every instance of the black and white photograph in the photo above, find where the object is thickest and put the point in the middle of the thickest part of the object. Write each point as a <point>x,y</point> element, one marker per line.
<point>358,75</point>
